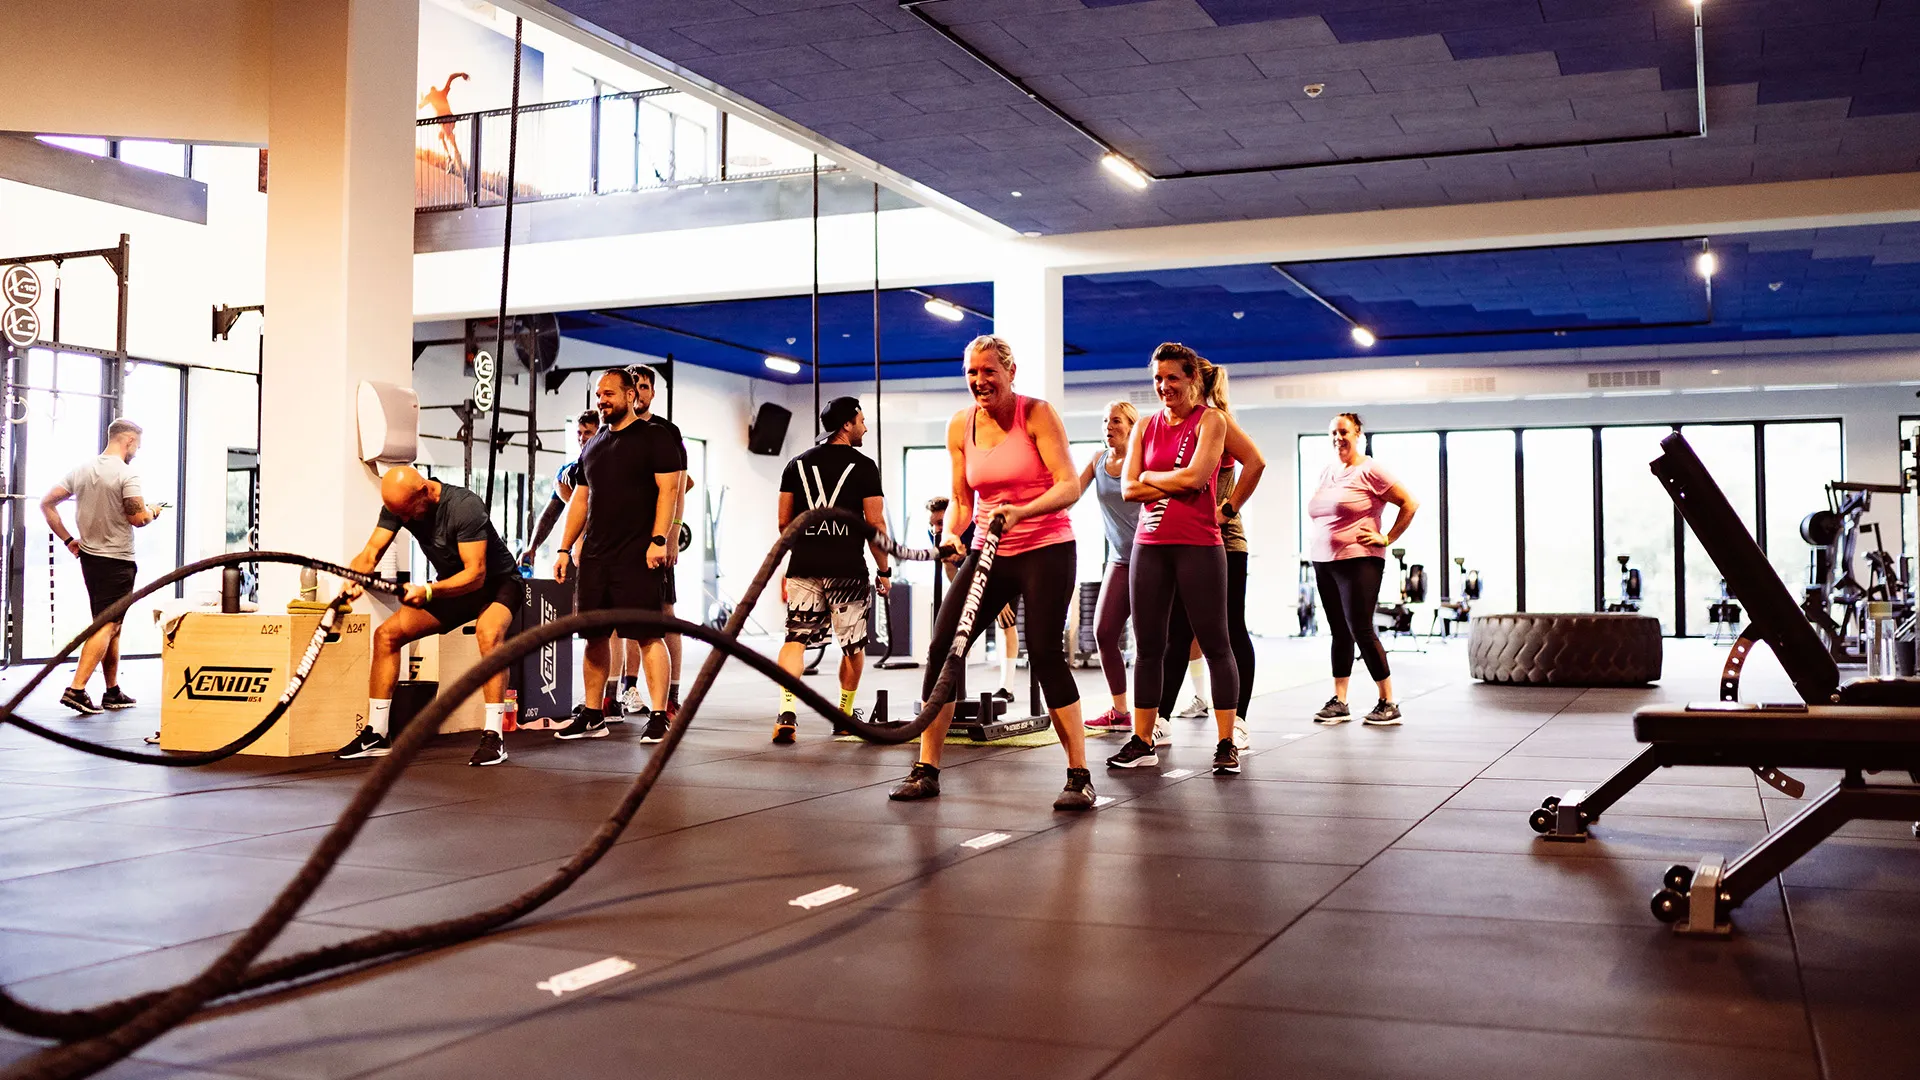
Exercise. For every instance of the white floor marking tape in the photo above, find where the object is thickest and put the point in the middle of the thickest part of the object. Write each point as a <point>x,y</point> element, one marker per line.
<point>987,840</point>
<point>1296,735</point>
<point>1176,774</point>
<point>582,977</point>
<point>821,897</point>
<point>1104,800</point>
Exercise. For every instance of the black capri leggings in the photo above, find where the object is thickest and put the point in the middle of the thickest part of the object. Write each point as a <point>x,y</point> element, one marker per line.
<point>1196,576</point>
<point>1349,592</point>
<point>1180,641</point>
<point>1044,579</point>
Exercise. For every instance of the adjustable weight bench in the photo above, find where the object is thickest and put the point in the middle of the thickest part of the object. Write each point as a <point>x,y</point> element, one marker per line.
<point>1866,725</point>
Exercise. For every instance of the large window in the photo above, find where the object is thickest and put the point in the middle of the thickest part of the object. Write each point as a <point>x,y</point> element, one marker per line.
<point>1480,515</point>
<point>1638,518</point>
<point>63,432</point>
<point>1727,452</point>
<point>1413,458</point>
<point>1801,458</point>
<point>1316,453</point>
<point>1559,518</point>
<point>152,399</point>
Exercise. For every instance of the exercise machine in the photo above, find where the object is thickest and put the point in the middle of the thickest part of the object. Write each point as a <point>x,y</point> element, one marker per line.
<point>1397,617</point>
<point>1858,727</point>
<point>1724,615</point>
<point>1629,600</point>
<point>1461,610</point>
<point>1834,600</point>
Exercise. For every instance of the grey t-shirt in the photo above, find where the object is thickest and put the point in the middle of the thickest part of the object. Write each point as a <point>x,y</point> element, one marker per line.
<point>460,517</point>
<point>1119,515</point>
<point>100,488</point>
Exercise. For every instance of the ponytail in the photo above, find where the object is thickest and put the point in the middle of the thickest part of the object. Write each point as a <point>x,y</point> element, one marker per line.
<point>1208,376</point>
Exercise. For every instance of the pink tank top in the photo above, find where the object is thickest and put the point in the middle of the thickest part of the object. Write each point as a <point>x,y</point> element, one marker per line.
<point>1186,518</point>
<point>1012,473</point>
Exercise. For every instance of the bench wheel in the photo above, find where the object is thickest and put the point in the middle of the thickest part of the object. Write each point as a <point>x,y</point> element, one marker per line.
<point>1540,820</point>
<point>1669,906</point>
<point>1550,802</point>
<point>1679,878</point>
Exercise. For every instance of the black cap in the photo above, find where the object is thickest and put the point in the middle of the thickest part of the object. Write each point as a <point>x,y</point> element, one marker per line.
<point>838,414</point>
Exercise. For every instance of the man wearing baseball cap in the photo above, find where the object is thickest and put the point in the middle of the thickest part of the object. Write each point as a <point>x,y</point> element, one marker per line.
<point>826,586</point>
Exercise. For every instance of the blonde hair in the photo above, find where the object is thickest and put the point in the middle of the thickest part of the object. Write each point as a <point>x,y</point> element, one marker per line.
<point>1217,393</point>
<point>1210,379</point>
<point>993,342</point>
<point>1125,409</point>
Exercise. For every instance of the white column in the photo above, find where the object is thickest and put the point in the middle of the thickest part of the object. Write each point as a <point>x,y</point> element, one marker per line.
<point>339,288</point>
<point>1027,312</point>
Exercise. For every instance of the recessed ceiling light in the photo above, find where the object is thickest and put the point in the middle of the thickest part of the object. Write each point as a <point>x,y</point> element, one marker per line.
<point>1015,194</point>
<point>1035,232</point>
<point>783,365</point>
<point>1706,264</point>
<point>1774,286</point>
<point>1314,89</point>
<point>1127,172</point>
<point>1239,314</point>
<point>1363,337</point>
<point>937,306</point>
<point>792,340</point>
<point>1715,371</point>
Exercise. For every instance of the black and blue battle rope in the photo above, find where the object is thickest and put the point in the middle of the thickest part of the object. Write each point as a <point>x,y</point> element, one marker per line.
<point>97,1037</point>
<point>328,620</point>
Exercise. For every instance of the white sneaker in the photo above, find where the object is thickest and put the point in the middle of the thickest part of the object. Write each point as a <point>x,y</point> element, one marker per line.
<point>1241,740</point>
<point>1162,733</point>
<point>1197,709</point>
<point>631,703</point>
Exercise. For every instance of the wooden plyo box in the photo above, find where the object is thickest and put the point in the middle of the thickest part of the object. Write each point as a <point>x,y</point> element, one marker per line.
<point>220,674</point>
<point>444,658</point>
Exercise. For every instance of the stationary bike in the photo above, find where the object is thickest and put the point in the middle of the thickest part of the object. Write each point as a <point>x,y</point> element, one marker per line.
<point>1460,610</point>
<point>1397,618</point>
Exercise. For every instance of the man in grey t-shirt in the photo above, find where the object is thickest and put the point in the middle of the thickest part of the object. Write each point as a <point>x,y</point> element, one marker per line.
<point>108,507</point>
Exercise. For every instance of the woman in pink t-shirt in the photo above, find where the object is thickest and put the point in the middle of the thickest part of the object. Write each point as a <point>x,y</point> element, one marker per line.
<point>1347,546</point>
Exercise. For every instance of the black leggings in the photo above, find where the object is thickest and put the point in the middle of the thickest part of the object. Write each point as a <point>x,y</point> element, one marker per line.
<point>1180,641</point>
<point>1196,576</point>
<point>1044,579</point>
<point>1349,592</point>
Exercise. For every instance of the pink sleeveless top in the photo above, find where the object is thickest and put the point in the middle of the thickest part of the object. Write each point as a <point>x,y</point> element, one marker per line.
<point>1186,518</point>
<point>1012,473</point>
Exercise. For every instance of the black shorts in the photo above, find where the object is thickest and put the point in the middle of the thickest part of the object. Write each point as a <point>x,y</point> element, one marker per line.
<point>620,583</point>
<point>108,579</point>
<point>454,612</point>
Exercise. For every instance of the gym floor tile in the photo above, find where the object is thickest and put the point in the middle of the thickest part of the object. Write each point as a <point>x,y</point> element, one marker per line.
<point>462,845</point>
<point>1592,771</point>
<point>26,956</point>
<point>540,750</point>
<point>1132,830</point>
<point>1361,769</point>
<point>1865,932</point>
<point>1253,796</point>
<point>1631,981</point>
<point>1211,1040</point>
<point>963,804</point>
<point>272,808</point>
<point>1618,836</point>
<point>665,809</point>
<point>763,775</point>
<point>14,1050</point>
<point>1866,1026</point>
<point>1076,983</point>
<point>166,899</point>
<point>40,845</point>
<point>1645,800</point>
<point>1526,888</point>
<point>1838,863</point>
<point>609,1038</point>
<point>164,968</point>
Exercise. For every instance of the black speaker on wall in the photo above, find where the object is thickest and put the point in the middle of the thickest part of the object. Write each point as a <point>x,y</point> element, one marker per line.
<point>768,432</point>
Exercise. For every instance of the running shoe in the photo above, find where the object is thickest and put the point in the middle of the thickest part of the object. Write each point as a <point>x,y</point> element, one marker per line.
<point>1241,739</point>
<point>631,703</point>
<point>1003,694</point>
<point>784,727</point>
<point>1197,709</point>
<point>1162,733</point>
<point>1078,794</point>
<point>656,727</point>
<point>1226,758</point>
<point>586,724</point>
<point>842,729</point>
<point>1111,720</point>
<point>1137,754</point>
<point>1385,714</point>
<point>1333,712</point>
<point>77,699</point>
<point>115,698</point>
<point>491,751</point>
<point>368,743</point>
<point>923,782</point>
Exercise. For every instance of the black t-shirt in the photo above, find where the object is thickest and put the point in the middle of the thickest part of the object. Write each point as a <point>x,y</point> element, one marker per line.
<point>618,470</point>
<point>834,474</point>
<point>460,517</point>
<point>673,433</point>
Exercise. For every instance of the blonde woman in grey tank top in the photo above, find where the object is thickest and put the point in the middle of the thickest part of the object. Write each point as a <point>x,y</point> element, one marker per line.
<point>1119,517</point>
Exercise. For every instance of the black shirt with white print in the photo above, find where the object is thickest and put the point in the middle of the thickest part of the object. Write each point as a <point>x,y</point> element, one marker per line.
<point>833,474</point>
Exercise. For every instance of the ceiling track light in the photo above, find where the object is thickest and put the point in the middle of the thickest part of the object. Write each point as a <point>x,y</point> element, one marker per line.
<point>1127,172</point>
<point>783,365</point>
<point>1706,264</point>
<point>937,306</point>
<point>1362,337</point>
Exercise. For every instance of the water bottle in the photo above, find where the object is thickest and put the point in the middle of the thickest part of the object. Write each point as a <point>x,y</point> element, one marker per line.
<point>230,589</point>
<point>309,584</point>
<point>1879,640</point>
<point>513,710</point>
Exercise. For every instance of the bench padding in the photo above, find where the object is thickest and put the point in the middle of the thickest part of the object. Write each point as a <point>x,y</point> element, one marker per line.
<point>1573,649</point>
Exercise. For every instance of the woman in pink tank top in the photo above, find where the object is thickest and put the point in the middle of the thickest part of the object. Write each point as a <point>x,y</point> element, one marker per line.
<point>1011,465</point>
<point>1173,459</point>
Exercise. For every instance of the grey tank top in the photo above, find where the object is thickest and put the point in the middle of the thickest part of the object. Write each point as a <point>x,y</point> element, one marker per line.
<point>1120,516</point>
<point>1233,534</point>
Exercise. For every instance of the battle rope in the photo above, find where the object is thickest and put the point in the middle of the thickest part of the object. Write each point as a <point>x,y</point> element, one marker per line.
<point>113,1030</point>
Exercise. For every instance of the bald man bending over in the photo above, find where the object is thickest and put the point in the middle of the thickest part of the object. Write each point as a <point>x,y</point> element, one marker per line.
<point>475,580</point>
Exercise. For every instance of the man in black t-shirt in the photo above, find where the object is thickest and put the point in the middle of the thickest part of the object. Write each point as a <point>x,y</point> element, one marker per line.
<point>826,583</point>
<point>475,581</point>
<point>623,500</point>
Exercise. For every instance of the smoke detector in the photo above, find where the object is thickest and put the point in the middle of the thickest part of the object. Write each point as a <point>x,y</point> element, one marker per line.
<point>1314,89</point>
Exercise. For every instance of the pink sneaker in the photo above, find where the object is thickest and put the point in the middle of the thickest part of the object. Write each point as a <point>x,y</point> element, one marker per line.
<point>1111,720</point>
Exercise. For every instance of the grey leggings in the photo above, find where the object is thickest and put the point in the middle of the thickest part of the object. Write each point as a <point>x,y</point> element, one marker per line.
<point>1199,574</point>
<point>1110,626</point>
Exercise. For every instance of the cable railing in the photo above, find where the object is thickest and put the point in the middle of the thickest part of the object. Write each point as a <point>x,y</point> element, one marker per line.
<point>638,140</point>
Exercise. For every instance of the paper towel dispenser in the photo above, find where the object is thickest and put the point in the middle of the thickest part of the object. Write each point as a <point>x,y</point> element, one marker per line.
<point>389,424</point>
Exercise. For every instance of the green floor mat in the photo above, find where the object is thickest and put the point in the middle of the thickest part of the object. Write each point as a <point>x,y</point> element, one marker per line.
<point>960,738</point>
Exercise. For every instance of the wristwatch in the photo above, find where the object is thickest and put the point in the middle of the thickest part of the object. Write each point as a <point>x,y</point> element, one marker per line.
<point>658,539</point>
<point>1229,511</point>
<point>883,573</point>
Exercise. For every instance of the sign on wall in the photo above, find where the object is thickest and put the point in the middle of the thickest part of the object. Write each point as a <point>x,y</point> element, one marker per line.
<point>19,324</point>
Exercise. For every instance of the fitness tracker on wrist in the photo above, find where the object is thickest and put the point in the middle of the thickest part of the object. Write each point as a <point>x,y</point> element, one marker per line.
<point>565,554</point>
<point>883,573</point>
<point>1229,511</point>
<point>658,539</point>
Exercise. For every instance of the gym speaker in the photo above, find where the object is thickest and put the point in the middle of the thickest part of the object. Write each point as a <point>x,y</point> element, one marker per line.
<point>768,432</point>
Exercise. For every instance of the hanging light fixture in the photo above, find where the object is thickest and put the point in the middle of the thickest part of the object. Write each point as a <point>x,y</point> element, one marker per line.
<point>945,310</point>
<point>1128,173</point>
<point>783,365</point>
<point>1363,337</point>
<point>1706,264</point>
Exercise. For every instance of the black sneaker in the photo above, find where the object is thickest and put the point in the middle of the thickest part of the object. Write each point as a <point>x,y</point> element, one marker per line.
<point>784,727</point>
<point>1003,694</point>
<point>1333,712</point>
<point>843,729</point>
<point>923,782</point>
<point>115,698</point>
<point>491,751</point>
<point>1385,714</point>
<point>1226,758</point>
<point>76,699</point>
<point>1078,794</point>
<point>656,727</point>
<point>586,724</point>
<point>1138,753</point>
<point>368,743</point>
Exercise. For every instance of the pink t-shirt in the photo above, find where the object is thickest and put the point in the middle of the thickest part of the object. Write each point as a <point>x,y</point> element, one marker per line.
<point>1348,500</point>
